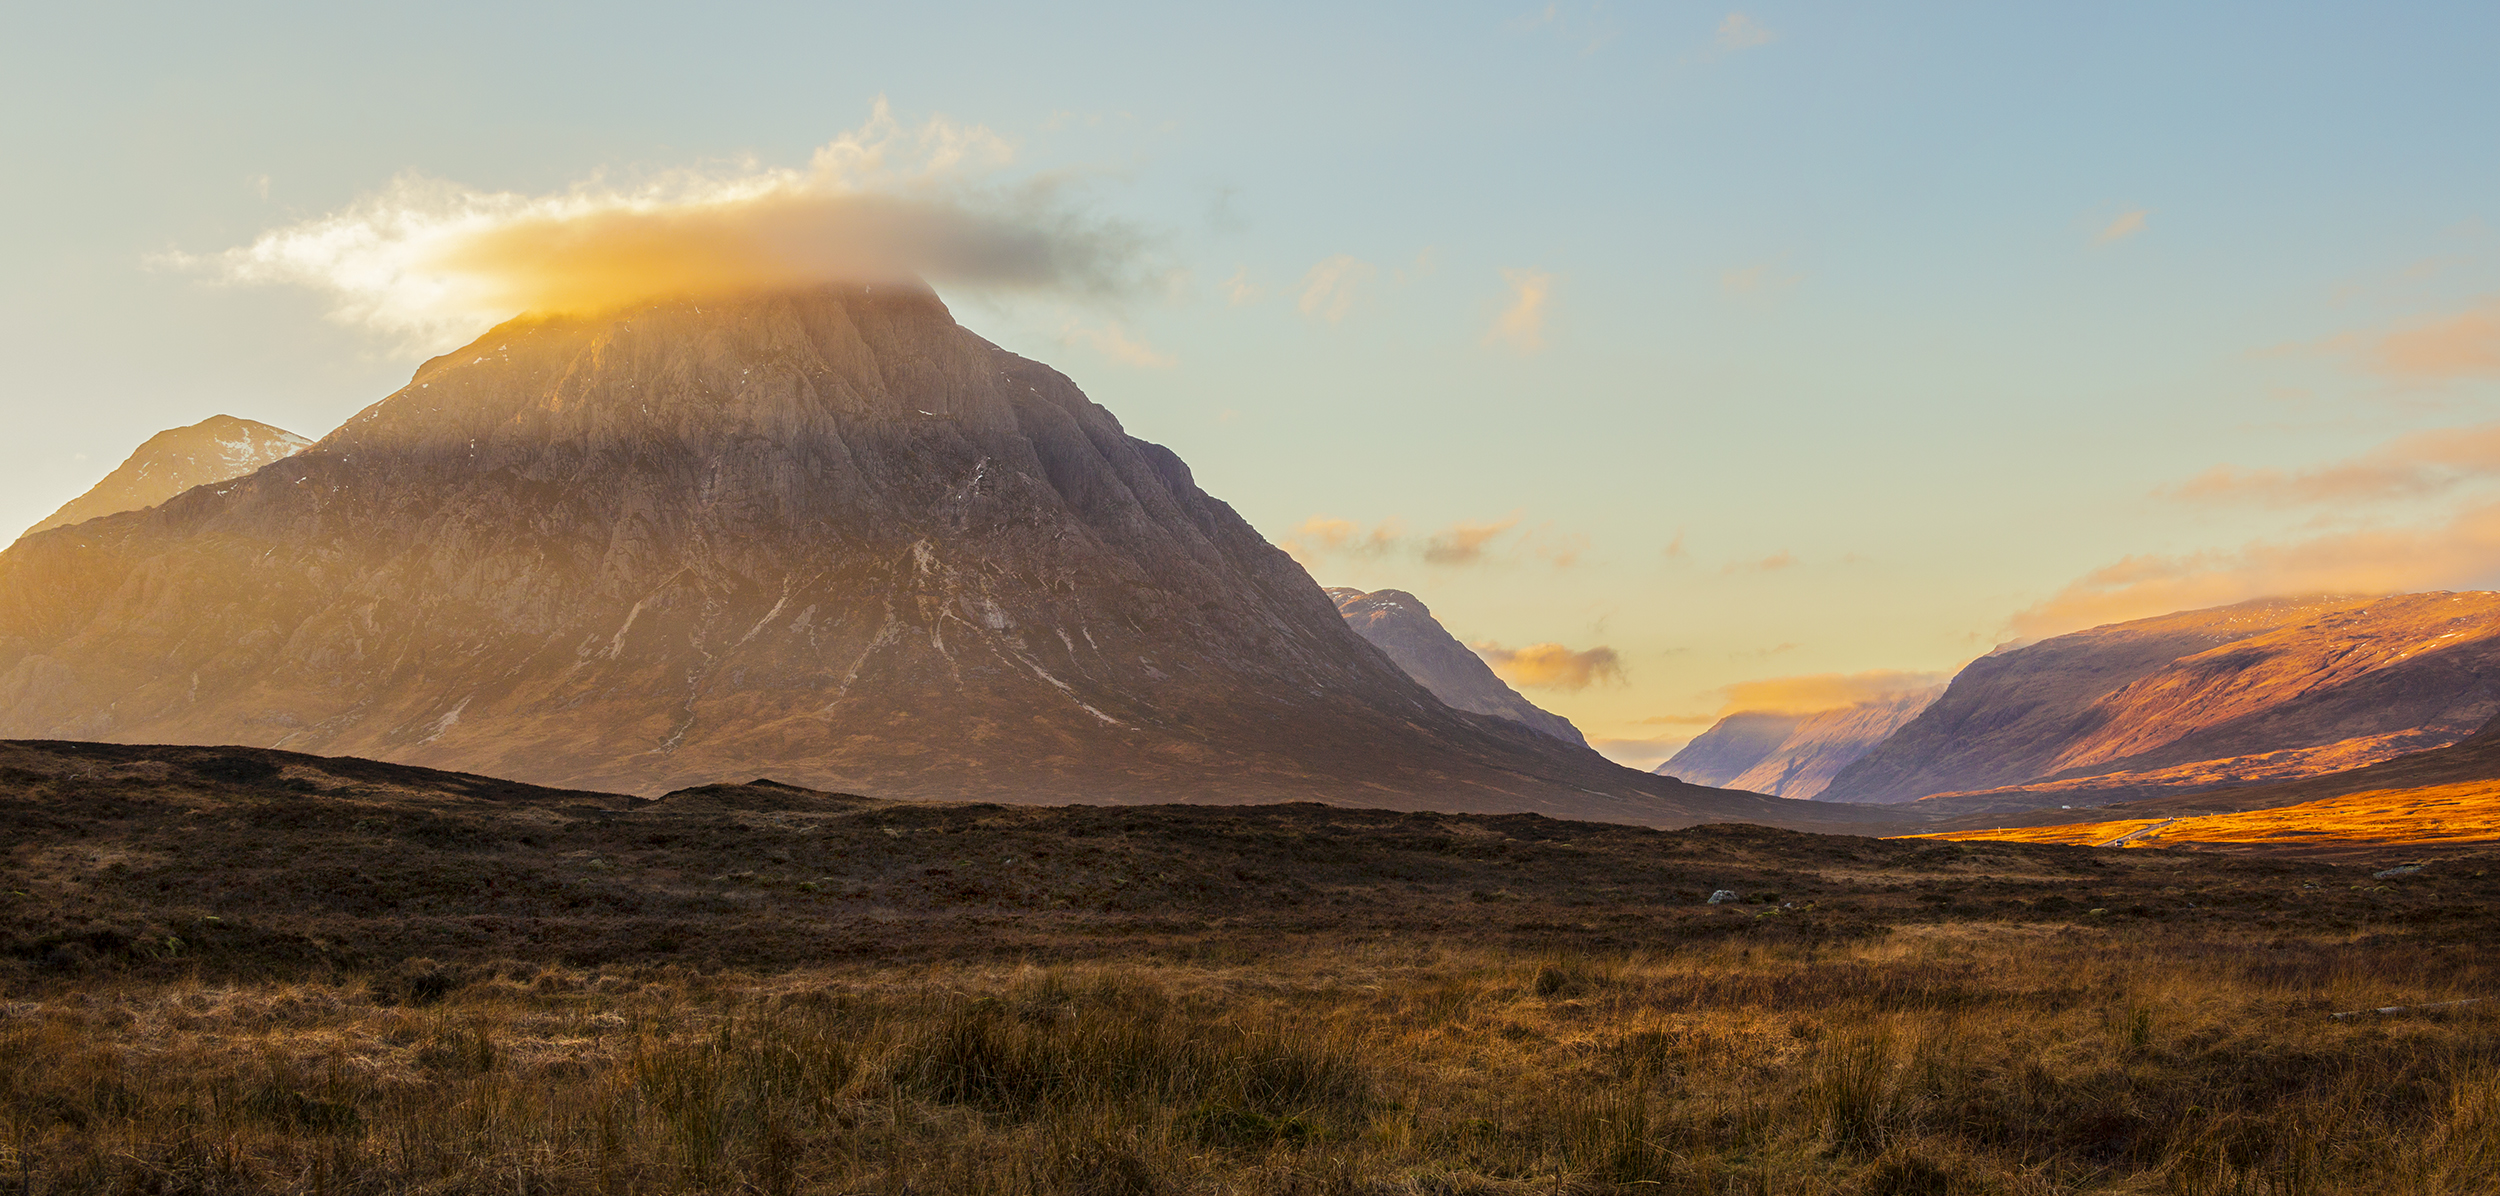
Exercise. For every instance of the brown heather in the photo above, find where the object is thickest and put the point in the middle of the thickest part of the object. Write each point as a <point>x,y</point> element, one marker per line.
<point>236,972</point>
<point>1940,1059</point>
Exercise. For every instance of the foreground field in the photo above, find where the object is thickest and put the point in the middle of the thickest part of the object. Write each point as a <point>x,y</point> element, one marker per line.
<point>1934,1060</point>
<point>227,972</point>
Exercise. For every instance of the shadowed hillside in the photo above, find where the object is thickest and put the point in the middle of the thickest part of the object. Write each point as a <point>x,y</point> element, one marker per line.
<point>829,535</point>
<point>1399,624</point>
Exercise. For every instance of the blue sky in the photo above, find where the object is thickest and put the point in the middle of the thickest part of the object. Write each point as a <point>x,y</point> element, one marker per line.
<point>1866,337</point>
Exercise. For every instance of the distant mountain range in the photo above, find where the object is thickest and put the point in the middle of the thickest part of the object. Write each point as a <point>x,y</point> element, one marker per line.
<point>1399,624</point>
<point>2264,691</point>
<point>828,536</point>
<point>2444,794</point>
<point>1791,755</point>
<point>220,448</point>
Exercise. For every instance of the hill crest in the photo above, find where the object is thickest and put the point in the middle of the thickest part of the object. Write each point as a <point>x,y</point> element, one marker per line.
<point>829,536</point>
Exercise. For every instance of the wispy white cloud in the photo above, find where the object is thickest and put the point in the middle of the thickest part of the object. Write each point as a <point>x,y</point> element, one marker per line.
<point>1238,289</point>
<point>1522,324</point>
<point>1331,288</point>
<point>1740,32</point>
<point>1761,280</point>
<point>2126,224</point>
<point>1113,341</point>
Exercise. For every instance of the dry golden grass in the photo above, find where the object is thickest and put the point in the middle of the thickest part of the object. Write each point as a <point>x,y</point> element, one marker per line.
<point>2468,812</point>
<point>1946,1059</point>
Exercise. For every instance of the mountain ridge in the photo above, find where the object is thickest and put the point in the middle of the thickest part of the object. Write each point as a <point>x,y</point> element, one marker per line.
<point>1792,755</point>
<point>830,535</point>
<point>1398,623</point>
<point>217,449</point>
<point>2263,690</point>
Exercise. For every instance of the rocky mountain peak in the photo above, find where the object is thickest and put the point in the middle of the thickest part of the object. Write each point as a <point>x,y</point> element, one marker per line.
<point>1399,624</point>
<point>217,449</point>
<point>829,536</point>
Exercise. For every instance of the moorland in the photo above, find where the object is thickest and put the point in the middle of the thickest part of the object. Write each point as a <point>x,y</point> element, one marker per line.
<point>237,971</point>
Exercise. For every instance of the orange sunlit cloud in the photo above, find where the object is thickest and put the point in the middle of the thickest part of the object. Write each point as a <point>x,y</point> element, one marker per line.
<point>1769,564</point>
<point>1740,32</point>
<point>2464,552</point>
<point>1552,666</point>
<point>1463,543</point>
<point>1522,324</point>
<point>2466,345</point>
<point>2126,225</point>
<point>1814,692</point>
<point>2407,467</point>
<point>1331,289</point>
<point>1323,535</point>
<point>881,204</point>
<point>1112,340</point>
<point>2442,348</point>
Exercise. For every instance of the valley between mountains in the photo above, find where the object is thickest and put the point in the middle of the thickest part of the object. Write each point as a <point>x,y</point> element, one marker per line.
<point>831,536</point>
<point>834,537</point>
<point>792,745</point>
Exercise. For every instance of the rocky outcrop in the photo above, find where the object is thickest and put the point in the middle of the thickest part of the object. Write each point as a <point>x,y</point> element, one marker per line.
<point>1792,755</point>
<point>2262,691</point>
<point>1399,624</point>
<point>220,448</point>
<point>830,537</point>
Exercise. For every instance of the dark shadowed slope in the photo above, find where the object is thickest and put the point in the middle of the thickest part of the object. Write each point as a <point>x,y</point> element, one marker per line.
<point>1399,624</point>
<point>2268,690</point>
<point>828,536</point>
<point>217,449</point>
<point>282,863</point>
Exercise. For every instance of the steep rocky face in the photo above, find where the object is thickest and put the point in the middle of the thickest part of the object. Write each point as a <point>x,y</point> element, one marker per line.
<point>1792,755</point>
<point>830,537</point>
<point>1399,624</point>
<point>217,449</point>
<point>2266,690</point>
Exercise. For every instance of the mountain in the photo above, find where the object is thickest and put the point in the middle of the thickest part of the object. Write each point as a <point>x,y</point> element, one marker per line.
<point>1791,755</point>
<point>828,535</point>
<point>217,449</point>
<point>1732,745</point>
<point>2446,795</point>
<point>2471,764</point>
<point>1399,624</point>
<point>2269,690</point>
